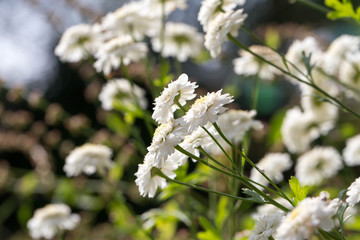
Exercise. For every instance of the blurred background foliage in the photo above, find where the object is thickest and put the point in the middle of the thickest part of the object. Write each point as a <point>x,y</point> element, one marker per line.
<point>44,116</point>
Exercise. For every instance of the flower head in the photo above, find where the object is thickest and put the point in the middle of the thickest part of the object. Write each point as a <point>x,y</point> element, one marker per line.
<point>353,193</point>
<point>120,50</point>
<point>47,221</point>
<point>249,64</point>
<point>273,165</point>
<point>88,158</point>
<point>121,90</point>
<point>180,90</point>
<point>206,109</point>
<point>308,216</point>
<point>317,165</point>
<point>147,181</point>
<point>266,226</point>
<point>180,40</point>
<point>223,24</point>
<point>351,152</point>
<point>78,43</point>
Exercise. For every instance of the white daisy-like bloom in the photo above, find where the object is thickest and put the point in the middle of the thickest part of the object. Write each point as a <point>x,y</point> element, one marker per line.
<point>273,165</point>
<point>78,43</point>
<point>318,164</point>
<point>180,90</point>
<point>155,7</point>
<point>120,90</point>
<point>337,51</point>
<point>297,130</point>
<point>249,65</point>
<point>120,50</point>
<point>266,226</point>
<point>147,181</point>
<point>210,8</point>
<point>351,152</point>
<point>165,138</point>
<point>47,221</point>
<point>295,53</point>
<point>224,23</point>
<point>349,74</point>
<point>88,158</point>
<point>131,19</point>
<point>207,109</point>
<point>308,216</point>
<point>353,193</point>
<point>180,40</point>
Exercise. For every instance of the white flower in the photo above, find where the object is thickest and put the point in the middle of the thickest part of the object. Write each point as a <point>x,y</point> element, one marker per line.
<point>353,193</point>
<point>308,216</point>
<point>349,74</point>
<point>47,221</point>
<point>295,53</point>
<point>337,51</point>
<point>147,181</point>
<point>319,164</point>
<point>78,43</point>
<point>206,109</point>
<point>180,40</point>
<point>297,130</point>
<point>273,165</point>
<point>120,90</point>
<point>120,50</point>
<point>235,123</point>
<point>266,226</point>
<point>210,8</point>
<point>181,90</point>
<point>223,24</point>
<point>248,64</point>
<point>131,19</point>
<point>269,209</point>
<point>351,152</point>
<point>88,158</point>
<point>155,7</point>
<point>165,138</point>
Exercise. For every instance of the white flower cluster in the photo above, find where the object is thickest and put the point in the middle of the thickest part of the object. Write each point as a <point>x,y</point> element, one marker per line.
<point>186,131</point>
<point>219,18</point>
<point>51,219</point>
<point>88,158</point>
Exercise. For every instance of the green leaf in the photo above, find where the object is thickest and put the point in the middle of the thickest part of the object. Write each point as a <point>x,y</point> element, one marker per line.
<point>342,9</point>
<point>222,212</point>
<point>116,124</point>
<point>254,197</point>
<point>210,232</point>
<point>299,192</point>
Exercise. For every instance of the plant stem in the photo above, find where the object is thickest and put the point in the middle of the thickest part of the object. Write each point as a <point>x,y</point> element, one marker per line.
<point>313,5</point>
<point>255,92</point>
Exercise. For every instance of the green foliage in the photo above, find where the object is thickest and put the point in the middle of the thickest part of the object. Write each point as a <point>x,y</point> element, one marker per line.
<point>342,9</point>
<point>299,192</point>
<point>210,232</point>
<point>254,197</point>
<point>222,212</point>
<point>274,133</point>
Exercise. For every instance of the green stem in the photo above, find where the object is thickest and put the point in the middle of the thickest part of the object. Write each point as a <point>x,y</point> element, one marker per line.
<point>255,92</point>
<point>252,164</point>
<point>213,159</point>
<point>223,150</point>
<point>313,5</point>
<point>334,100</point>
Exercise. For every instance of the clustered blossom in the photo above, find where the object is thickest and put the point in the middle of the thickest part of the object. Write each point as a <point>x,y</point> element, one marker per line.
<point>248,64</point>
<point>180,40</point>
<point>308,216</point>
<point>120,50</point>
<point>353,193</point>
<point>172,131</point>
<point>120,90</point>
<point>88,158</point>
<point>181,91</point>
<point>272,165</point>
<point>47,221</point>
<point>266,226</point>
<point>351,152</point>
<point>317,165</point>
